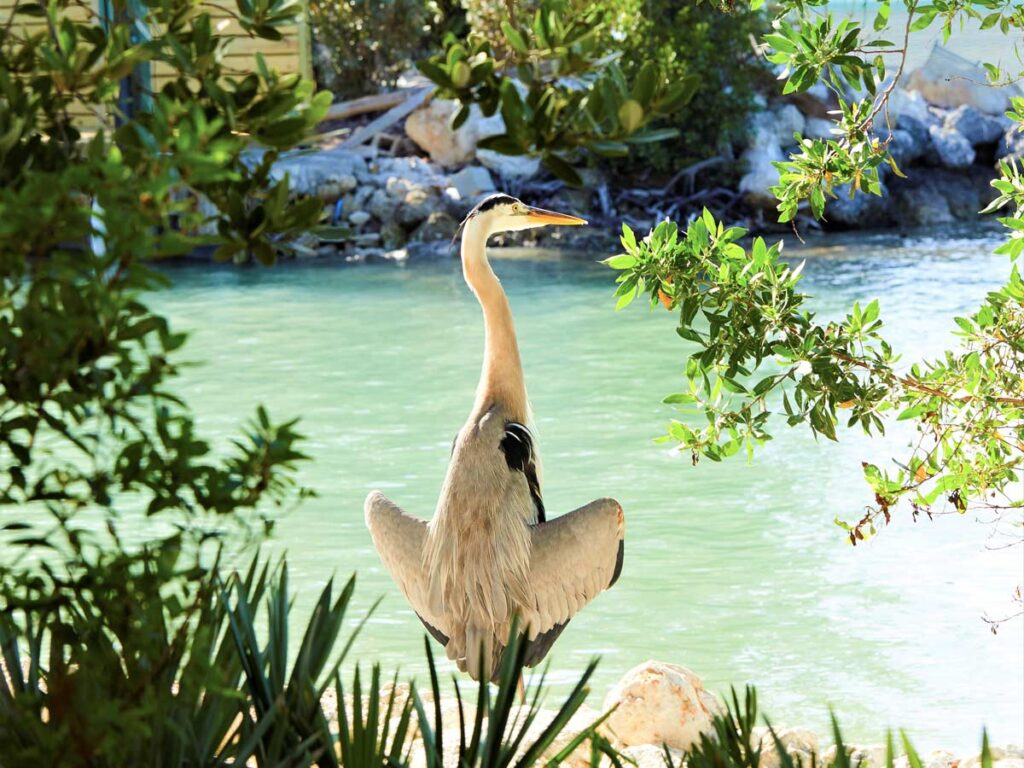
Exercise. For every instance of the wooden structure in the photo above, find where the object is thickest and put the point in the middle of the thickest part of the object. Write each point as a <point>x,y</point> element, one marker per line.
<point>290,55</point>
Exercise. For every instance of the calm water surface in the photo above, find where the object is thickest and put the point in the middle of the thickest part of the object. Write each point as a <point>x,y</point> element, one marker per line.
<point>735,570</point>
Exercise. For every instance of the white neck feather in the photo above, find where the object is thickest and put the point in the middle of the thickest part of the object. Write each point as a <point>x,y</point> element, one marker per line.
<point>501,380</point>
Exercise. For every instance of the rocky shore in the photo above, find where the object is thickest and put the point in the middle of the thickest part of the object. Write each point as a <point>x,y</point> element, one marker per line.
<point>948,133</point>
<point>657,705</point>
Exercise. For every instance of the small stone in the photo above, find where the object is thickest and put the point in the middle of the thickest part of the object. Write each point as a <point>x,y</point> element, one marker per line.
<point>347,182</point>
<point>358,218</point>
<point>472,182</point>
<point>659,703</point>
<point>953,150</point>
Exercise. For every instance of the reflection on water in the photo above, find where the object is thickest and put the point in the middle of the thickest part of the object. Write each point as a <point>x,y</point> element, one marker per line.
<point>735,570</point>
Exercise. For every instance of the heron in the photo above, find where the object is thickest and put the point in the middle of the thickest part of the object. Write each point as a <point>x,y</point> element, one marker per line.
<point>489,558</point>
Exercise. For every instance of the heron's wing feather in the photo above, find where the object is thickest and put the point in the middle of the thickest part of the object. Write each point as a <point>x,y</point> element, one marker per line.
<point>574,558</point>
<point>521,456</point>
<point>399,539</point>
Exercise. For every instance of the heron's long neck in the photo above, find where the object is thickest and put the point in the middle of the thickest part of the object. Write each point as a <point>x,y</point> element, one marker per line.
<point>502,377</point>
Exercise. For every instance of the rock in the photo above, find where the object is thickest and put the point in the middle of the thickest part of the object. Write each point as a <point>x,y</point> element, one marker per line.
<point>1011,145</point>
<point>788,120</point>
<point>975,126</point>
<point>799,743</point>
<point>509,166</point>
<point>472,182</point>
<point>327,175</point>
<point>382,205</point>
<point>659,703</point>
<point>937,759</point>
<point>819,128</point>
<point>650,756</point>
<point>862,210</point>
<point>756,184</point>
<point>358,218</point>
<point>951,81</point>
<point>907,147</point>
<point>903,103</point>
<point>1002,757</point>
<point>953,150</point>
<point>430,127</point>
<point>872,756</point>
<point>416,206</point>
<point>392,235</point>
<point>438,226</point>
<point>938,196</point>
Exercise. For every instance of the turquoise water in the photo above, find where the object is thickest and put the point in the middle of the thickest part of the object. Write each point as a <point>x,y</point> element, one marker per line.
<point>734,570</point>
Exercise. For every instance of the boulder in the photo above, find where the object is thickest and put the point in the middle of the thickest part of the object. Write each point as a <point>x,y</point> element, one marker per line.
<point>382,205</point>
<point>903,103</point>
<point>509,166</point>
<point>438,226</point>
<point>938,196</point>
<point>788,120</point>
<point>819,128</point>
<point>951,81</point>
<point>799,743</point>
<point>416,206</point>
<point>472,182</point>
<point>906,147</point>
<point>937,759</point>
<point>862,210</point>
<point>953,150</point>
<point>430,127</point>
<point>764,149</point>
<point>973,125</point>
<point>659,703</point>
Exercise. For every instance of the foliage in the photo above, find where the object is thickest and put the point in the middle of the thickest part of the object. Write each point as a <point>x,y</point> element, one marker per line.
<point>760,353</point>
<point>138,182</point>
<point>367,44</point>
<point>700,41</point>
<point>567,95</point>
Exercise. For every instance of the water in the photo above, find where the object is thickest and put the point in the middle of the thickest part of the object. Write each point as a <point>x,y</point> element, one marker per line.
<point>735,570</point>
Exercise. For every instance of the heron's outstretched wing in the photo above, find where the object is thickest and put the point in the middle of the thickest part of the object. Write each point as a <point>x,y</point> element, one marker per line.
<point>399,539</point>
<point>574,558</point>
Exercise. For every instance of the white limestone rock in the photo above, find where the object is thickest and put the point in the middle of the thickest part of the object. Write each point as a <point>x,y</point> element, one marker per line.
<point>472,182</point>
<point>358,218</point>
<point>940,758</point>
<point>327,175</point>
<point>659,703</point>
<point>430,127</point>
<point>509,166</point>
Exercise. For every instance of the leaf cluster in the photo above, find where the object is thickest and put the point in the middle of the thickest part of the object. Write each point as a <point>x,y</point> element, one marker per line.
<point>559,91</point>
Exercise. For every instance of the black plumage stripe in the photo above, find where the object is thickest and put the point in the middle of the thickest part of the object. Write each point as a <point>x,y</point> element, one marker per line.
<point>538,648</point>
<point>517,445</point>
<point>435,633</point>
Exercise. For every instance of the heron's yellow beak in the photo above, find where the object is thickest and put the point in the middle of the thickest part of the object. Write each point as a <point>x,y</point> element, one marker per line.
<point>540,216</point>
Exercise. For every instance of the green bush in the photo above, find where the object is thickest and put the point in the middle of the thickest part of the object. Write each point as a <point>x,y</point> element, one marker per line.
<point>366,44</point>
<point>693,40</point>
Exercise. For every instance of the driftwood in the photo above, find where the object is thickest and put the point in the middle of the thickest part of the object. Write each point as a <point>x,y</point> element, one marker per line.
<point>389,118</point>
<point>364,104</point>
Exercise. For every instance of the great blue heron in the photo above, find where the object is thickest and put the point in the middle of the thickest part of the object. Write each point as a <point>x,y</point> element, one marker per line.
<point>489,554</point>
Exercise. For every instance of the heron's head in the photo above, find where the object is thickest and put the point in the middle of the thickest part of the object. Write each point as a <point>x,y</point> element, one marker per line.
<point>503,213</point>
